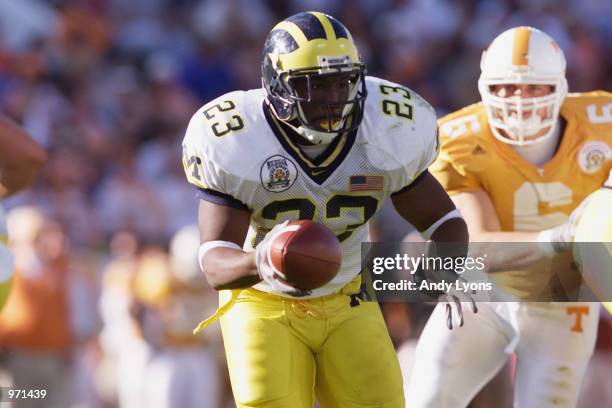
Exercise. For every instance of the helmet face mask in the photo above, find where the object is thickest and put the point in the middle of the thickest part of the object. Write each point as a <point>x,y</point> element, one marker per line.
<point>522,119</point>
<point>324,102</point>
<point>317,86</point>
<point>523,56</point>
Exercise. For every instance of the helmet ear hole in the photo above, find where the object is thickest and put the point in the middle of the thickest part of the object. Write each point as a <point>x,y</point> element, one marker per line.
<point>269,75</point>
<point>272,84</point>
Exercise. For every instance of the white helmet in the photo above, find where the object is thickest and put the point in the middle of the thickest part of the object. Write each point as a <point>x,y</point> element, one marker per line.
<point>522,55</point>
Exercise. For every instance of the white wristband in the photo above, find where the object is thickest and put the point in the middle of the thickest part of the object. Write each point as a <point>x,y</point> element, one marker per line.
<point>433,227</point>
<point>207,246</point>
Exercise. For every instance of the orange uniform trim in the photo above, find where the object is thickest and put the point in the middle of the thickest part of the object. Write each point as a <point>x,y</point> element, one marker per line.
<point>578,311</point>
<point>520,47</point>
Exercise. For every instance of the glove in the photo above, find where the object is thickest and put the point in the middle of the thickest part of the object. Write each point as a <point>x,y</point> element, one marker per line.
<point>454,301</point>
<point>273,277</point>
<point>560,238</point>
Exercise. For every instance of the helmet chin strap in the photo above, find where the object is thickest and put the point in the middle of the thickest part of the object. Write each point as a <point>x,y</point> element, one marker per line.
<point>525,127</point>
<point>314,136</point>
<point>311,135</point>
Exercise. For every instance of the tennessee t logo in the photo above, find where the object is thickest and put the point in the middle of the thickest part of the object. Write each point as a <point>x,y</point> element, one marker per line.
<point>578,311</point>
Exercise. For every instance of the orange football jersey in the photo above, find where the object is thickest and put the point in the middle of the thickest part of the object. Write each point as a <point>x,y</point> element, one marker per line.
<point>525,196</point>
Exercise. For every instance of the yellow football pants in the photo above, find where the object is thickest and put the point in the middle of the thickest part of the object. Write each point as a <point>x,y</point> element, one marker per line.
<point>281,352</point>
<point>5,290</point>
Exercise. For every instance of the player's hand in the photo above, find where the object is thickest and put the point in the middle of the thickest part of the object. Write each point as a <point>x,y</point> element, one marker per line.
<point>267,272</point>
<point>455,301</point>
<point>560,238</point>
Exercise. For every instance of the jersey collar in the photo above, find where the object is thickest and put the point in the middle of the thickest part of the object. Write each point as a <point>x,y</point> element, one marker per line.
<point>562,152</point>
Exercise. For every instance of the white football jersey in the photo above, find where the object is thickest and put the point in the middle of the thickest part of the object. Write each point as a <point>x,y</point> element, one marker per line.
<point>237,153</point>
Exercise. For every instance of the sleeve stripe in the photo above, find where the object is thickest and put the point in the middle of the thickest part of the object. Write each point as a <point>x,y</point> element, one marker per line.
<point>413,184</point>
<point>219,198</point>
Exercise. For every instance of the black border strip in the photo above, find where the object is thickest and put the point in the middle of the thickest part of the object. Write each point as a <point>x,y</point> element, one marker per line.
<point>216,197</point>
<point>309,24</point>
<point>339,29</point>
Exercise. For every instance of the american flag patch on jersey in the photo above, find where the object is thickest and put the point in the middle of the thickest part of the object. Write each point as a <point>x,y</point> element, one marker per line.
<point>366,183</point>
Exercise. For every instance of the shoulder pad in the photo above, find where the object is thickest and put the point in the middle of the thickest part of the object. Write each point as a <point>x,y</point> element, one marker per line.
<point>399,121</point>
<point>591,108</point>
<point>470,121</point>
<point>225,136</point>
<point>465,131</point>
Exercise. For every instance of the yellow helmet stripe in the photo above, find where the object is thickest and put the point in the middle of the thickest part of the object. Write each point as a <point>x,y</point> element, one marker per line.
<point>295,32</point>
<point>327,26</point>
<point>520,46</point>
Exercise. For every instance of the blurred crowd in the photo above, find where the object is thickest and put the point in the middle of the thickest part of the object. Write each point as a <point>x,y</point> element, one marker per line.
<point>108,87</point>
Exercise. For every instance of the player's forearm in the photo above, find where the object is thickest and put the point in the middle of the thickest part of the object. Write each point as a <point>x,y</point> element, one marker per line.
<point>453,230</point>
<point>503,236</point>
<point>453,237</point>
<point>20,158</point>
<point>15,179</point>
<point>228,268</point>
<point>522,251</point>
<point>17,146</point>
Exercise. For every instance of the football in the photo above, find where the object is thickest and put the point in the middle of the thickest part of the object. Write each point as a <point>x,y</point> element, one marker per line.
<point>306,253</point>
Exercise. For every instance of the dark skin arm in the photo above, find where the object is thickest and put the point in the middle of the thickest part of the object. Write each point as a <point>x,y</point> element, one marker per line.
<point>426,202</point>
<point>20,158</point>
<point>226,268</point>
<point>422,205</point>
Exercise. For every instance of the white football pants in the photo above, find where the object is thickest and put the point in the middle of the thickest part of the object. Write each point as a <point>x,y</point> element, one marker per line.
<point>553,343</point>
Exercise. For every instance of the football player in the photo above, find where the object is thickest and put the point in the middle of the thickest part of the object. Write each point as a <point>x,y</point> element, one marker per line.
<point>320,141</point>
<point>518,165</point>
<point>20,159</point>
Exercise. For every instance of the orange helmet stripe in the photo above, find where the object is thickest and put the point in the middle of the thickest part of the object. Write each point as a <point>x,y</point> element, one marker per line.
<point>520,47</point>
